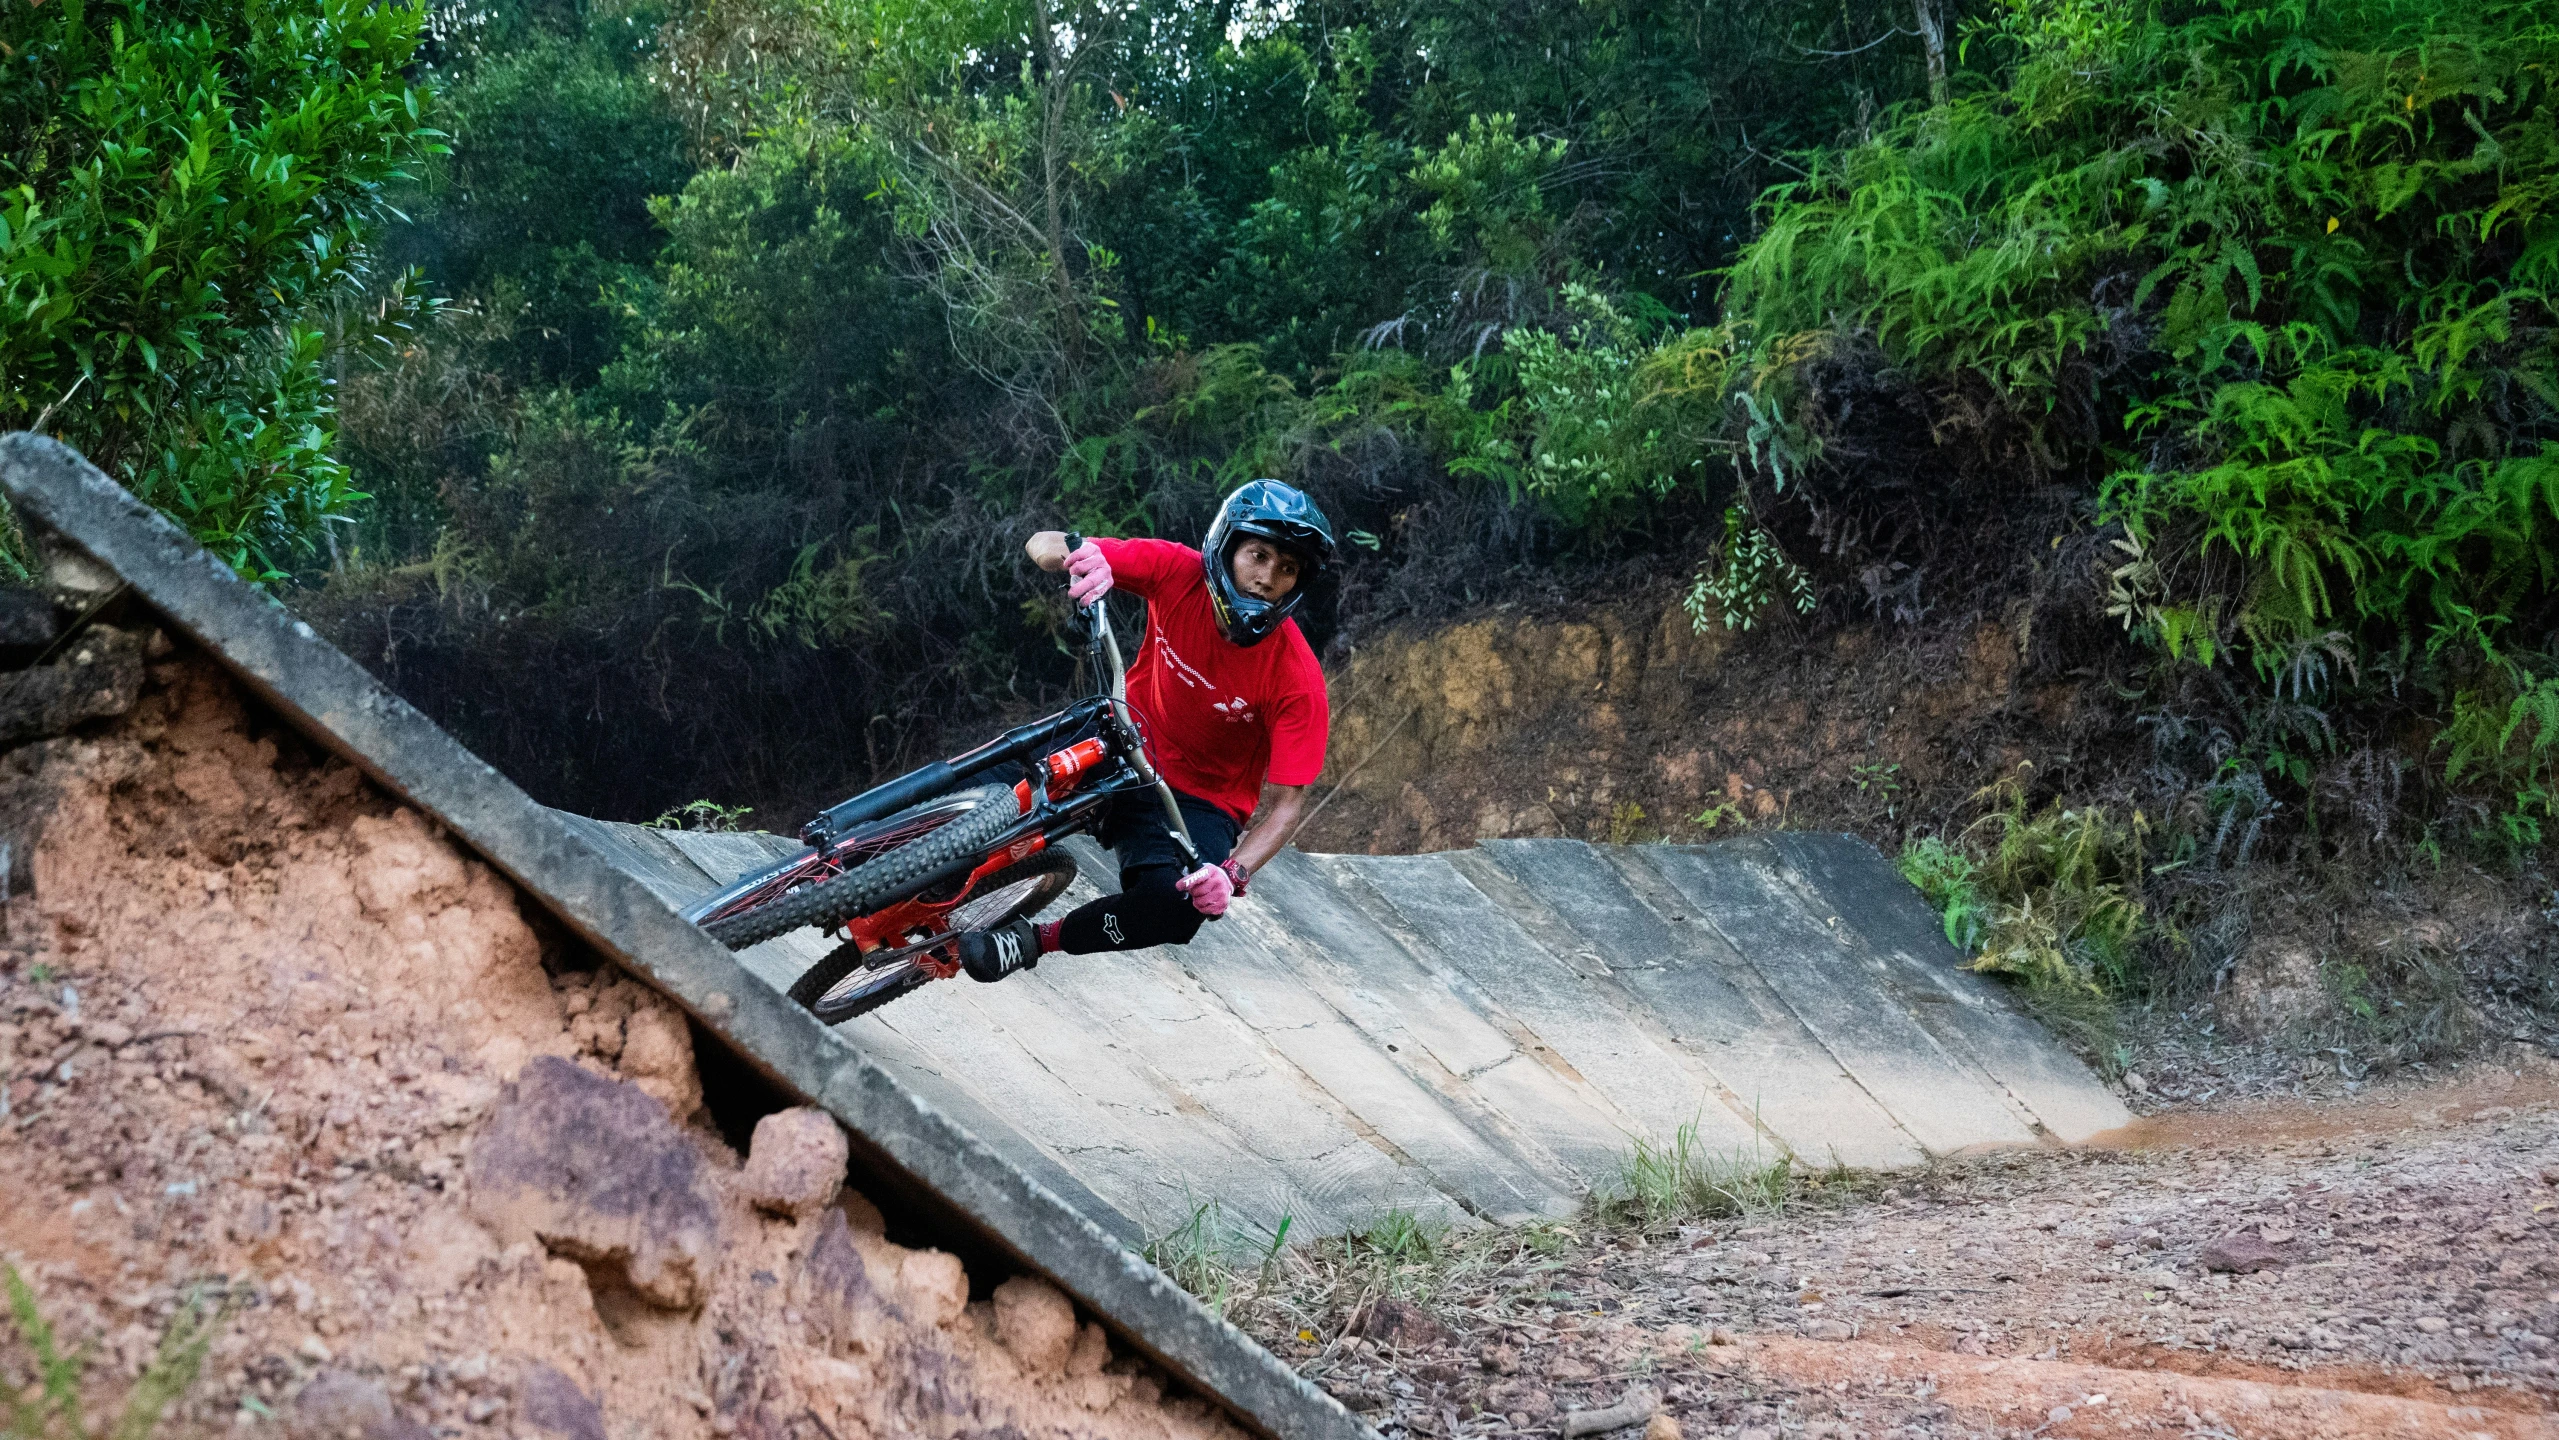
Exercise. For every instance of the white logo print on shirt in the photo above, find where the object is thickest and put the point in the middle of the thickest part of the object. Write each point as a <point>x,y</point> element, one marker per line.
<point>1235,710</point>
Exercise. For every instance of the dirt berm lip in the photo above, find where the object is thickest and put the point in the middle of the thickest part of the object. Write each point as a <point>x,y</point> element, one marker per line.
<point>113,546</point>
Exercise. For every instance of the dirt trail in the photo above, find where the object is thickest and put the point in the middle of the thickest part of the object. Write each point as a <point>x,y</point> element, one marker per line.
<point>2388,1265</point>
<point>268,1039</point>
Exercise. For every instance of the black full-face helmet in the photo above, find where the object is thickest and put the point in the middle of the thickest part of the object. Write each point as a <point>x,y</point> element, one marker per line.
<point>1282,515</point>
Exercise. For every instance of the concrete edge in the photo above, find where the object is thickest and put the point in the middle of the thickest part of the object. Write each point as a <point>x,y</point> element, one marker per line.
<point>340,706</point>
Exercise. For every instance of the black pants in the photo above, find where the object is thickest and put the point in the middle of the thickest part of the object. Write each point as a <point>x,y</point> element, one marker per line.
<point>1148,910</point>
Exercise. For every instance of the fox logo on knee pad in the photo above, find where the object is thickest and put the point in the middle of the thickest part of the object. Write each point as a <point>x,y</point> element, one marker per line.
<point>1111,928</point>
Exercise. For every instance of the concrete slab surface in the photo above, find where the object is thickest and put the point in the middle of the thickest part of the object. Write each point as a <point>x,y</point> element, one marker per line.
<point>1481,1035</point>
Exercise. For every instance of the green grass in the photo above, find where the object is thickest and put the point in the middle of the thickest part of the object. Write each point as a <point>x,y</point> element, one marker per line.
<point>46,1405</point>
<point>1664,1184</point>
<point>1218,1257</point>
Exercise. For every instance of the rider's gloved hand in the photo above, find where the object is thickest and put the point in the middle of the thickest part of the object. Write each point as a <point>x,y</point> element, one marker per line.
<point>1092,574</point>
<point>1209,887</point>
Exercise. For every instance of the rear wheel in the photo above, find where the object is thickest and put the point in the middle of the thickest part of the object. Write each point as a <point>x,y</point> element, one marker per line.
<point>848,983</point>
<point>927,839</point>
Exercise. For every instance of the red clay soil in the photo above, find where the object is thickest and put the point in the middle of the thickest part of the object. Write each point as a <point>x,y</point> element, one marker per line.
<point>268,1039</point>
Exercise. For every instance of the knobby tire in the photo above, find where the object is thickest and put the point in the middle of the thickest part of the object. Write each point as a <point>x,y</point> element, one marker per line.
<point>882,881</point>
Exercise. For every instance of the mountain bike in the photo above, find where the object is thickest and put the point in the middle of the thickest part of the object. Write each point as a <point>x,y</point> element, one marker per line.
<point>899,871</point>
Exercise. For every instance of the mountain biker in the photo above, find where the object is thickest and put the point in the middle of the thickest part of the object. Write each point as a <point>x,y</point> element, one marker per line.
<point>1233,706</point>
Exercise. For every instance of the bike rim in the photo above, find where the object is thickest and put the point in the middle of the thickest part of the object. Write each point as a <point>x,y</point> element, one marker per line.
<point>975,914</point>
<point>862,984</point>
<point>979,911</point>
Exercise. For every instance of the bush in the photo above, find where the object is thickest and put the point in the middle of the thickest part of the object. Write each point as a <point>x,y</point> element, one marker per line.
<point>2054,900</point>
<point>187,191</point>
<point>2271,283</point>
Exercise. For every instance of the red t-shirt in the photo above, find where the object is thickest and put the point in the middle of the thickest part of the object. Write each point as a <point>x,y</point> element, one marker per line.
<point>1220,719</point>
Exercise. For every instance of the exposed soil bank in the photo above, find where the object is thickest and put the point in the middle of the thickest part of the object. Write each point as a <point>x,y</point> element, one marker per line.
<point>267,1037</point>
<point>1623,723</point>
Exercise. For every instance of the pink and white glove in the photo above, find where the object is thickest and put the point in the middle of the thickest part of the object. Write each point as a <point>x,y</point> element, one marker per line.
<point>1210,888</point>
<point>1092,574</point>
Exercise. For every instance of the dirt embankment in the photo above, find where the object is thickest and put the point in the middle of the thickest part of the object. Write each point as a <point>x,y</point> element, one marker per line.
<point>1623,723</point>
<point>268,1039</point>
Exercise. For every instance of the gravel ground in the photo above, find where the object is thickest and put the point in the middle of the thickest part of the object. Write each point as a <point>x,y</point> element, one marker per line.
<point>2376,1263</point>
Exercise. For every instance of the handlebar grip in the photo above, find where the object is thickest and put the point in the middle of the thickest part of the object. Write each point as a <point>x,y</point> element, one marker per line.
<point>1074,541</point>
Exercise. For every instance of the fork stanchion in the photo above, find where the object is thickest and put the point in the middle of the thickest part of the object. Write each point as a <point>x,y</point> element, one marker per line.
<point>1104,649</point>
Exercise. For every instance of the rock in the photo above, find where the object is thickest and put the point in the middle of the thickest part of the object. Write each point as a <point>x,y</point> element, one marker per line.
<point>1361,1398</point>
<point>2433,1325</point>
<point>27,623</point>
<point>101,678</point>
<point>1500,1359</point>
<point>1036,1322</point>
<point>1829,1330</point>
<point>2134,1082</point>
<point>2053,1218</point>
<point>550,1403</point>
<point>596,1171</point>
<point>1663,1428</point>
<point>2241,1252</point>
<point>795,1164</point>
<point>340,1406</point>
<point>1398,1323</point>
<point>1756,1433</point>
<point>2059,1415</point>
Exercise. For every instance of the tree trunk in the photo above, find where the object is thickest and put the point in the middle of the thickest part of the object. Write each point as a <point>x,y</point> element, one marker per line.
<point>1932,37</point>
<point>1053,102</point>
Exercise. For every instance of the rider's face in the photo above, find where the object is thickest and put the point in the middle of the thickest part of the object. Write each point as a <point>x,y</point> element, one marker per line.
<point>1263,570</point>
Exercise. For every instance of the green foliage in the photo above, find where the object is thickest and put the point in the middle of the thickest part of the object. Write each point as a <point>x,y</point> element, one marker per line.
<point>2054,899</point>
<point>186,195</point>
<point>1487,194</point>
<point>1217,1257</point>
<point>1952,885</point>
<point>2506,732</point>
<point>2274,278</point>
<point>706,816</point>
<point>1662,1185</point>
<point>1745,575</point>
<point>47,1406</point>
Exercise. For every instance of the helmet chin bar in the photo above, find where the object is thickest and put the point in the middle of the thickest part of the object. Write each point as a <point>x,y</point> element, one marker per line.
<point>1246,620</point>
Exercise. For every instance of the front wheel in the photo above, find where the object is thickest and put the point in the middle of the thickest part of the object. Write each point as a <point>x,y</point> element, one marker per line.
<point>848,983</point>
<point>926,839</point>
